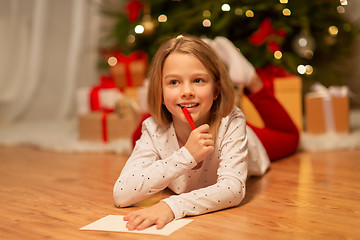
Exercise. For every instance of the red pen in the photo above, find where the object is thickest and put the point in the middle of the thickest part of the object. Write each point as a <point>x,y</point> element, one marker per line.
<point>188,117</point>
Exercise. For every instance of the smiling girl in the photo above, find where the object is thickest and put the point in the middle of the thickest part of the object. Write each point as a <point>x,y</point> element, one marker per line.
<point>206,167</point>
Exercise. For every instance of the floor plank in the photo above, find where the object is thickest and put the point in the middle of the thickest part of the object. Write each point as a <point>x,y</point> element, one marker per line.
<point>305,196</point>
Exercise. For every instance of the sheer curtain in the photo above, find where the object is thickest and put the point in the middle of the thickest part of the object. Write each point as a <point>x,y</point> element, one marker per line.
<point>48,49</point>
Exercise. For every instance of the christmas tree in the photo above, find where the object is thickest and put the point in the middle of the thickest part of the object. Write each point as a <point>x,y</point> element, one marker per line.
<point>304,37</point>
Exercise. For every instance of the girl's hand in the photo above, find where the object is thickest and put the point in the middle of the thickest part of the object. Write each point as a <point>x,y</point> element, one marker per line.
<point>200,143</point>
<point>159,214</point>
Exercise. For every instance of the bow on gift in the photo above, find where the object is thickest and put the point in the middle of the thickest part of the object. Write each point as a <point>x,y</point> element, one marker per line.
<point>267,33</point>
<point>327,94</point>
<point>126,60</point>
<point>96,104</point>
<point>95,100</point>
<point>269,73</point>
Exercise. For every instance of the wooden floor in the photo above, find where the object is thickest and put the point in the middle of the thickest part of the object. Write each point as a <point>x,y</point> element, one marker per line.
<point>47,195</point>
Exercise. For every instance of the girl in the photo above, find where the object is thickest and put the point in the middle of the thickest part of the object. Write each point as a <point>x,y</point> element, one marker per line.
<point>207,167</point>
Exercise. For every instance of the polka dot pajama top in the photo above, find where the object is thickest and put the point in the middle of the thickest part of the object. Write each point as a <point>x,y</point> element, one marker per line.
<point>157,162</point>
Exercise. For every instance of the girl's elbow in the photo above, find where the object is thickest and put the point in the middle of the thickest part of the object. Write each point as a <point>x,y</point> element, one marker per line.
<point>239,195</point>
<point>121,197</point>
<point>121,200</point>
<point>235,192</point>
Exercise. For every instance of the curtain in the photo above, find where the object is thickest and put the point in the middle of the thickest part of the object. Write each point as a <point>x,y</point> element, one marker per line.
<point>48,49</point>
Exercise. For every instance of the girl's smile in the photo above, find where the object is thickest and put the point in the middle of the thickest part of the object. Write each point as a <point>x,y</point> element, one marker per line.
<point>187,83</point>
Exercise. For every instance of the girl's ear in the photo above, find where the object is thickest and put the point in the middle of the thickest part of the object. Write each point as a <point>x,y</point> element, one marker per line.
<point>217,90</point>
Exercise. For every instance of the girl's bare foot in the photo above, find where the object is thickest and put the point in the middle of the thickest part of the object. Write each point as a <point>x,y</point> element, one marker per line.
<point>255,84</point>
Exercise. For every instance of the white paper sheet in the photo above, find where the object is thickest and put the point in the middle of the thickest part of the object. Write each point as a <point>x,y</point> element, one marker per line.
<point>116,223</point>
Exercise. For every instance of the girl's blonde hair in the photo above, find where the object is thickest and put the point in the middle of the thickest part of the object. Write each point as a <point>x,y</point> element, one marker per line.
<point>224,102</point>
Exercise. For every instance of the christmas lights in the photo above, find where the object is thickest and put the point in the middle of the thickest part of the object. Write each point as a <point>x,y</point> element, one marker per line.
<point>225,7</point>
<point>299,34</point>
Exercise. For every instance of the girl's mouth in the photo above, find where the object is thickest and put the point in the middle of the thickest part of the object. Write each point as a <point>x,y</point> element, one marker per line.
<point>188,105</point>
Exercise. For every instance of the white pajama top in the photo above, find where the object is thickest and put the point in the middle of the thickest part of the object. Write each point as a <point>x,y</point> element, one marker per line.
<point>157,162</point>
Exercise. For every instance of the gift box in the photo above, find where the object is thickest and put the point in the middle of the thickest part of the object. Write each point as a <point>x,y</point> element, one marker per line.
<point>105,127</point>
<point>327,112</point>
<point>106,99</point>
<point>128,106</point>
<point>101,97</point>
<point>288,91</point>
<point>139,95</point>
<point>129,71</point>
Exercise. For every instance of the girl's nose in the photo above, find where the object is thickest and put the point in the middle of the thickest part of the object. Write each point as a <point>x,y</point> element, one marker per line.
<point>187,91</point>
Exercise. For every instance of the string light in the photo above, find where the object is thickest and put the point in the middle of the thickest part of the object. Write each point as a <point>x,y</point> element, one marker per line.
<point>148,24</point>
<point>249,13</point>
<point>340,9</point>
<point>131,39</point>
<point>162,18</point>
<point>238,11</point>
<point>286,12</point>
<point>333,30</point>
<point>206,23</point>
<point>278,54</point>
<point>225,7</point>
<point>139,29</point>
<point>309,53</point>
<point>303,42</point>
<point>347,27</point>
<point>309,69</point>
<point>344,2</point>
<point>301,69</point>
<point>206,14</point>
<point>112,61</point>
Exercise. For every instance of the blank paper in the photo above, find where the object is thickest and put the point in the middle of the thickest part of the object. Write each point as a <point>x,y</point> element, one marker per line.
<point>115,223</point>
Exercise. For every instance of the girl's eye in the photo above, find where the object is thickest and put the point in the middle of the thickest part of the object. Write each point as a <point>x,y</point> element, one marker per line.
<point>173,82</point>
<point>198,80</point>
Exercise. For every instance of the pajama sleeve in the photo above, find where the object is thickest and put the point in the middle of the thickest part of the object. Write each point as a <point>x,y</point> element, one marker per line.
<point>229,189</point>
<point>145,174</point>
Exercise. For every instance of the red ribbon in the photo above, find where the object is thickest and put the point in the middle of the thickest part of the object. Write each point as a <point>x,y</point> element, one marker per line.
<point>269,73</point>
<point>265,33</point>
<point>104,127</point>
<point>121,58</point>
<point>106,82</point>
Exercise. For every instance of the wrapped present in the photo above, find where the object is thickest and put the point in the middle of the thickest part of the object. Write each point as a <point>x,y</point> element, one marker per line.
<point>129,71</point>
<point>127,106</point>
<point>287,90</point>
<point>139,95</point>
<point>101,97</point>
<point>102,126</point>
<point>327,110</point>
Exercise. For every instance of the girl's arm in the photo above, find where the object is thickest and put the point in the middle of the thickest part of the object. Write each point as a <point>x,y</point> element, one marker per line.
<point>229,189</point>
<point>145,174</point>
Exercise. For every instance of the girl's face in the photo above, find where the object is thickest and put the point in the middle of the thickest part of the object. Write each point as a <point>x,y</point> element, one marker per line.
<point>187,83</point>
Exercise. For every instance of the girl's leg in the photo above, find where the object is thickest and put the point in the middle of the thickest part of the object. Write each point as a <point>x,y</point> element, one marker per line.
<point>280,136</point>
<point>277,144</point>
